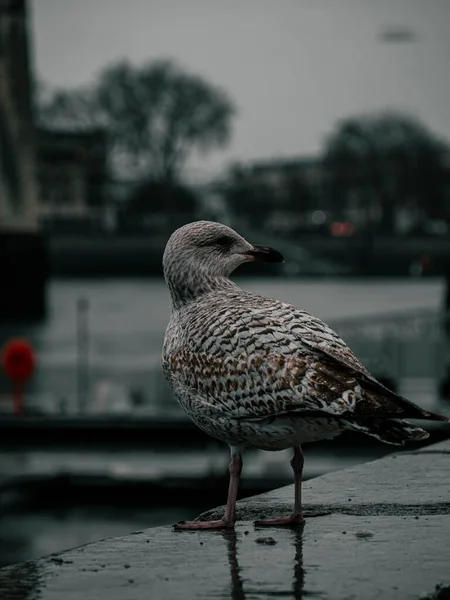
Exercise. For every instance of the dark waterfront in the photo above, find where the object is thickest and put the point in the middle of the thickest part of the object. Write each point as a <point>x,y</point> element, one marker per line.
<point>126,322</point>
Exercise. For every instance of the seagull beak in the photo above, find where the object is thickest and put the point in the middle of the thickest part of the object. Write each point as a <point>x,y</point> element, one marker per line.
<point>264,254</point>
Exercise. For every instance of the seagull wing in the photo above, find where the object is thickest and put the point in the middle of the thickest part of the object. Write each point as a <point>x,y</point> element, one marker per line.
<point>263,359</point>
<point>377,399</point>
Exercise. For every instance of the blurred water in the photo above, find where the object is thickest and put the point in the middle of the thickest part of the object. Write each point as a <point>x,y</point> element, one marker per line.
<point>130,307</point>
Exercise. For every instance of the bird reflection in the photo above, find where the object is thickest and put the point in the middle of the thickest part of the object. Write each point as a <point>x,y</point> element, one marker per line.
<point>21,582</point>
<point>237,591</point>
<point>237,588</point>
<point>299,572</point>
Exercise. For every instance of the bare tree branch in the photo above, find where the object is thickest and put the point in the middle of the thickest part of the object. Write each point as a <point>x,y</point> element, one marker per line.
<point>155,115</point>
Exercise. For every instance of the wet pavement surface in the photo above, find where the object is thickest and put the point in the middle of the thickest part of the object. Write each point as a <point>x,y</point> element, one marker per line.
<point>381,530</point>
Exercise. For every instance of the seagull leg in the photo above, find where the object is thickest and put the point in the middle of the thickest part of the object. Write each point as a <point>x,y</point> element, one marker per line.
<point>229,518</point>
<point>296,518</point>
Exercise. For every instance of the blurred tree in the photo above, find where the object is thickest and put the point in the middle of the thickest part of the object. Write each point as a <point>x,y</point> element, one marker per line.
<point>247,197</point>
<point>260,195</point>
<point>299,195</point>
<point>387,160</point>
<point>155,116</point>
<point>151,199</point>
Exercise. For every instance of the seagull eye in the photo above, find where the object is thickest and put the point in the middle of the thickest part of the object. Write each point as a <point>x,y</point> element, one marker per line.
<point>223,241</point>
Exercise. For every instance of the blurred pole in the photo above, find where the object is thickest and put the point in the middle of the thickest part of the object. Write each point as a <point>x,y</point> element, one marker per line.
<point>82,353</point>
<point>19,405</point>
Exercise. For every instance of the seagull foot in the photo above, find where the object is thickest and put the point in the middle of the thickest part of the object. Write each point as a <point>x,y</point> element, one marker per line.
<point>291,521</point>
<point>203,525</point>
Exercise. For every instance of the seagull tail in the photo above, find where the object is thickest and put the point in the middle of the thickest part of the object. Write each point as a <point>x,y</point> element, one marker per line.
<point>388,430</point>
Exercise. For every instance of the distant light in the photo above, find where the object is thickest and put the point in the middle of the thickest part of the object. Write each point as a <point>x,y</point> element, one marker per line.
<point>342,229</point>
<point>318,217</point>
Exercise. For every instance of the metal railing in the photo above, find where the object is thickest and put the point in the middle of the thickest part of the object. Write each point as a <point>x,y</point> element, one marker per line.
<point>409,344</point>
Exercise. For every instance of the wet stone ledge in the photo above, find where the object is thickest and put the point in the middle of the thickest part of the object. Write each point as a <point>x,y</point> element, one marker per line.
<point>377,531</point>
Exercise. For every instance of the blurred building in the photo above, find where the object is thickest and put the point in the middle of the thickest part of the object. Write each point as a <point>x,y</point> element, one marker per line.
<point>282,195</point>
<point>18,191</point>
<point>158,207</point>
<point>278,173</point>
<point>296,195</point>
<point>71,168</point>
<point>23,266</point>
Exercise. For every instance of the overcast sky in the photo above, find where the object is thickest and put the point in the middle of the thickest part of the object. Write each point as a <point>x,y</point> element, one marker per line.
<point>293,67</point>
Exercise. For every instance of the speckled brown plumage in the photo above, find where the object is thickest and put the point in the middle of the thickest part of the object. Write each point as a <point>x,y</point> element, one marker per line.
<point>257,372</point>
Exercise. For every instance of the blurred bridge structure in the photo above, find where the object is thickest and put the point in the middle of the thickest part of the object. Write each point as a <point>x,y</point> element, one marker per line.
<point>18,186</point>
<point>22,250</point>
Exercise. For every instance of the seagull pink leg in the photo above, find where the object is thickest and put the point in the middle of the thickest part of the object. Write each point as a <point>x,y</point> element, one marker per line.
<point>296,518</point>
<point>229,518</point>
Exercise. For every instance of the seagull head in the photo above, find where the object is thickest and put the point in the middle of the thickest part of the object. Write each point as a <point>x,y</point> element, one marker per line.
<point>213,249</point>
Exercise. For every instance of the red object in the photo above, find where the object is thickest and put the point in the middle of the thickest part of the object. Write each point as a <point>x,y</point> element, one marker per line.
<point>345,229</point>
<point>19,362</point>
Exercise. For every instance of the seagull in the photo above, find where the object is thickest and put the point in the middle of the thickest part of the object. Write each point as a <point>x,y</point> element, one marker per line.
<point>255,372</point>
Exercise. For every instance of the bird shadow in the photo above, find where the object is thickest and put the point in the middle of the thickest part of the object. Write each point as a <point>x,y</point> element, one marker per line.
<point>237,574</point>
